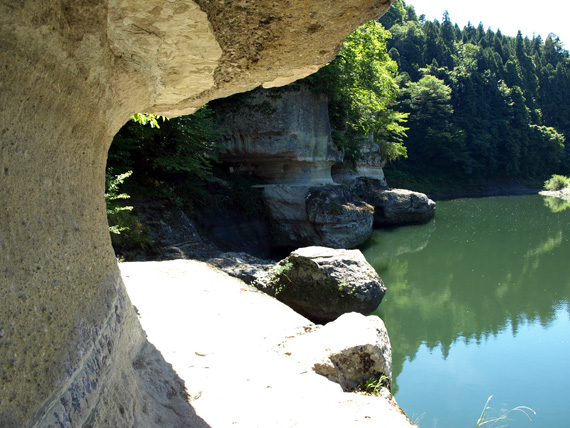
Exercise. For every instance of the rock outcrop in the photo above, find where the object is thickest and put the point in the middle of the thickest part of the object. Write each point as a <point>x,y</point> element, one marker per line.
<point>72,73</point>
<point>393,206</point>
<point>281,371</point>
<point>348,351</point>
<point>281,136</point>
<point>325,215</point>
<point>339,219</point>
<point>369,165</point>
<point>323,283</point>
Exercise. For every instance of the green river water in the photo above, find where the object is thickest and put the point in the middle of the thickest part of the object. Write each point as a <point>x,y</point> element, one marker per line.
<point>478,305</point>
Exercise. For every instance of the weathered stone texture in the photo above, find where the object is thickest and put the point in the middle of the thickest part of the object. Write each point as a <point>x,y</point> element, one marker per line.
<point>330,216</point>
<point>393,206</point>
<point>71,74</point>
<point>281,136</point>
<point>324,283</point>
<point>348,351</point>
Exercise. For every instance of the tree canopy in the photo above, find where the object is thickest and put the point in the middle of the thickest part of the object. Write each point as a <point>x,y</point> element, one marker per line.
<point>361,86</point>
<point>480,103</point>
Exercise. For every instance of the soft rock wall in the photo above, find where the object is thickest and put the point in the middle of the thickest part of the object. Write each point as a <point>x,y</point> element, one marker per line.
<point>282,136</point>
<point>72,73</point>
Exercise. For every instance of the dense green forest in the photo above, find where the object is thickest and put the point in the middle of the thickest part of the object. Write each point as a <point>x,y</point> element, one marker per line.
<point>481,104</point>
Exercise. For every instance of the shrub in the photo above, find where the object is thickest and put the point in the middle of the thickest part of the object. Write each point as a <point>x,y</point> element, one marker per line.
<point>557,182</point>
<point>112,198</point>
<point>133,234</point>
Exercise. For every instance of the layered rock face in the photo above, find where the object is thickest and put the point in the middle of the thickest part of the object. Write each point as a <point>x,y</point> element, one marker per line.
<point>72,73</point>
<point>370,165</point>
<point>284,138</point>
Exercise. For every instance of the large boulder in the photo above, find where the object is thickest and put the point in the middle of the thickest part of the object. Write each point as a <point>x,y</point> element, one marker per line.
<point>323,283</point>
<point>72,74</point>
<point>339,219</point>
<point>348,351</point>
<point>393,206</point>
<point>325,215</point>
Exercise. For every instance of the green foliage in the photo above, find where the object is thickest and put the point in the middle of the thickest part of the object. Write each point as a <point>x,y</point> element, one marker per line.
<point>360,84</point>
<point>374,385</point>
<point>112,198</point>
<point>429,99</point>
<point>556,204</point>
<point>275,282</point>
<point>282,269</point>
<point>175,160</point>
<point>134,235</point>
<point>127,232</point>
<point>494,106</point>
<point>557,182</point>
<point>150,119</point>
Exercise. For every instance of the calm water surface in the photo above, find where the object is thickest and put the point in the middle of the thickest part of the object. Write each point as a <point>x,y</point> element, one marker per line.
<point>478,305</point>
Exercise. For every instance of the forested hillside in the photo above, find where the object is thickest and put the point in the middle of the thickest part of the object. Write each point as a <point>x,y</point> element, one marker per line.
<point>481,104</point>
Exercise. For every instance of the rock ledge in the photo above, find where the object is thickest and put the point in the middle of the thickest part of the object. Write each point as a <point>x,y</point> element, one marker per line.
<point>269,366</point>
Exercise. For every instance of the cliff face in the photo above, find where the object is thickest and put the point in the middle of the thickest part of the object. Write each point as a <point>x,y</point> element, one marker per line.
<point>72,73</point>
<point>282,136</point>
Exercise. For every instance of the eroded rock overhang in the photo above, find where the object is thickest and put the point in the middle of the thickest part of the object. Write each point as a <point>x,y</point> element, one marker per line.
<point>72,73</point>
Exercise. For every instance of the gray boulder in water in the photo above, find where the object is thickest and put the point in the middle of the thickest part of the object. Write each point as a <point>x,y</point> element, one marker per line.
<point>393,206</point>
<point>323,283</point>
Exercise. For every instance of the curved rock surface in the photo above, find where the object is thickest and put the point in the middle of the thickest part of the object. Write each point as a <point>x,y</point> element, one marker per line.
<point>323,283</point>
<point>72,73</point>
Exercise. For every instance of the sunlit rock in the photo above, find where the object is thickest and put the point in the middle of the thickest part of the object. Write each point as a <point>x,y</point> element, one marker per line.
<point>348,351</point>
<point>323,283</point>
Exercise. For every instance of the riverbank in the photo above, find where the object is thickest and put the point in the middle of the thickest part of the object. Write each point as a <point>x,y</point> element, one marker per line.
<point>245,358</point>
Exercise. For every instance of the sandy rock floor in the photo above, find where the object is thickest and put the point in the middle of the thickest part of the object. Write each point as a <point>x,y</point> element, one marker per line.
<point>228,344</point>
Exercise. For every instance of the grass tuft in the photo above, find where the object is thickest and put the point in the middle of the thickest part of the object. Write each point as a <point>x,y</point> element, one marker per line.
<point>487,421</point>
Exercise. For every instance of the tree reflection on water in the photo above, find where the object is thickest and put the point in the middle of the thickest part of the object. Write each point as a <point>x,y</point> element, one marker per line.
<point>480,267</point>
